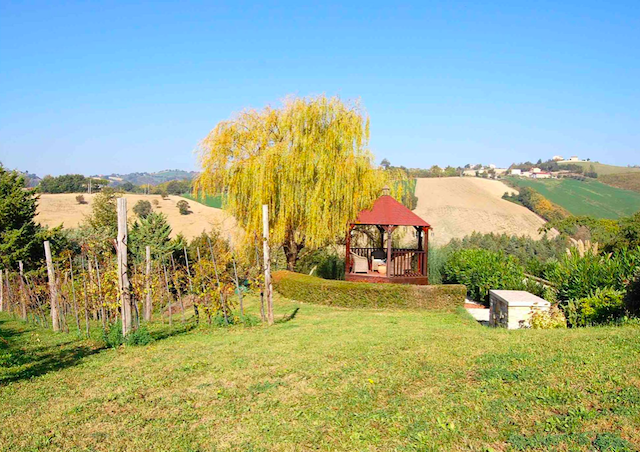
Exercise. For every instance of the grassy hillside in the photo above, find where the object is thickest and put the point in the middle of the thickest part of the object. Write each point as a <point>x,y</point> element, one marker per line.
<point>585,198</point>
<point>330,379</point>
<point>458,206</point>
<point>57,209</point>
<point>626,181</point>
<point>603,169</point>
<point>208,200</point>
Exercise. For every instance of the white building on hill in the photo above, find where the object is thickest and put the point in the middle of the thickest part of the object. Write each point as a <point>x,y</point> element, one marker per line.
<point>515,172</point>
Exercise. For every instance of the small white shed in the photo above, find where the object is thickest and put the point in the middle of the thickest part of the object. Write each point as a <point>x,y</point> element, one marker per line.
<point>512,309</point>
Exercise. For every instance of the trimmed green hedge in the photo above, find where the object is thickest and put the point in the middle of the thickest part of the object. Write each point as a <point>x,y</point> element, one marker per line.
<point>347,294</point>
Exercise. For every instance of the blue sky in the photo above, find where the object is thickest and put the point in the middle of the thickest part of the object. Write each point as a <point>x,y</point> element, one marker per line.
<point>97,87</point>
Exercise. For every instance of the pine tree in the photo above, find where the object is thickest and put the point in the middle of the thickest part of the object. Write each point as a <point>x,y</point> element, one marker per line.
<point>18,231</point>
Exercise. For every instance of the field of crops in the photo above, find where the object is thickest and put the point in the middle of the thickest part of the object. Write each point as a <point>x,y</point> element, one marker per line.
<point>585,197</point>
<point>626,181</point>
<point>603,169</point>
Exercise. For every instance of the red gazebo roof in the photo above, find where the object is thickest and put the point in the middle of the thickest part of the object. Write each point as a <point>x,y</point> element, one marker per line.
<point>389,212</point>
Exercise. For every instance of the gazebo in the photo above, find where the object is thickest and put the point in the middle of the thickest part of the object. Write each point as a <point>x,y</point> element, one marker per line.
<point>384,263</point>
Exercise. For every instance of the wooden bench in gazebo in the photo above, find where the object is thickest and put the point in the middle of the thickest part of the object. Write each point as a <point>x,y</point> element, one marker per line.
<point>383,263</point>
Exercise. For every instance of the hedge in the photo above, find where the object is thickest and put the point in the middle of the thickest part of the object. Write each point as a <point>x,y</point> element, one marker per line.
<point>347,294</point>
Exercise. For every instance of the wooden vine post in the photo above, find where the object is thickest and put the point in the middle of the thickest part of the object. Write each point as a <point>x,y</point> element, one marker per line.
<point>268,288</point>
<point>53,289</point>
<point>23,294</point>
<point>1,290</point>
<point>148,306</point>
<point>123,276</point>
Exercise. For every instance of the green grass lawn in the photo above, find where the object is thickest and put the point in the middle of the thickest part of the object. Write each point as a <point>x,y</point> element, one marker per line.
<point>585,197</point>
<point>330,379</point>
<point>208,200</point>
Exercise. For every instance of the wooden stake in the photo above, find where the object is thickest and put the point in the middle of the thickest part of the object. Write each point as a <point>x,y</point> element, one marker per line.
<point>166,282</point>
<point>235,271</point>
<point>268,288</point>
<point>1,291</point>
<point>215,268</point>
<point>123,275</point>
<point>86,300</point>
<point>195,306</point>
<point>148,305</point>
<point>177,286</point>
<point>53,289</point>
<point>102,309</point>
<point>73,293</point>
<point>9,294</point>
<point>262,313</point>
<point>23,301</point>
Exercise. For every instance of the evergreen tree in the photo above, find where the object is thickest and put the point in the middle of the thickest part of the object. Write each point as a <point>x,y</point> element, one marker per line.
<point>18,230</point>
<point>153,231</point>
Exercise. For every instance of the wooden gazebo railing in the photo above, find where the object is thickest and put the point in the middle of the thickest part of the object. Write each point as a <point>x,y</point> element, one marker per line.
<point>385,263</point>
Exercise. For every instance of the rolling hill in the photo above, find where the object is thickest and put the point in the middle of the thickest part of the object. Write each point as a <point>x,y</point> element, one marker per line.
<point>456,207</point>
<point>626,181</point>
<point>54,210</point>
<point>603,169</point>
<point>588,197</point>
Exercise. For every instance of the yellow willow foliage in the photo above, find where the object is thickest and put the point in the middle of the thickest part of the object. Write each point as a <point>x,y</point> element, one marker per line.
<point>308,161</point>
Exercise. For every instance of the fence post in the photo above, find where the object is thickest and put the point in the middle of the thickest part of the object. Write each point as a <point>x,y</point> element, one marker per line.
<point>23,301</point>
<point>123,277</point>
<point>268,288</point>
<point>1,290</point>
<point>148,306</point>
<point>53,289</point>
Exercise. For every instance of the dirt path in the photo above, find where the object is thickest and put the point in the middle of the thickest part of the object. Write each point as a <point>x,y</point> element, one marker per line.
<point>458,206</point>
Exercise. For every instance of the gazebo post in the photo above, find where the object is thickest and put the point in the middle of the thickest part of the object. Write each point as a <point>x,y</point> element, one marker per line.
<point>389,252</point>
<point>421,257</point>
<point>347,256</point>
<point>425,269</point>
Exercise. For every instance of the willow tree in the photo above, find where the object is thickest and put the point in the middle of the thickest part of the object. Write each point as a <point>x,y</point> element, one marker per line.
<point>308,161</point>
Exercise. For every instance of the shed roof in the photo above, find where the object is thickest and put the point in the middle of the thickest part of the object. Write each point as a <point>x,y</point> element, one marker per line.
<point>389,212</point>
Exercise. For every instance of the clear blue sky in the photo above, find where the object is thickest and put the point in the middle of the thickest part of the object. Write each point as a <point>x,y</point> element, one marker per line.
<point>115,87</point>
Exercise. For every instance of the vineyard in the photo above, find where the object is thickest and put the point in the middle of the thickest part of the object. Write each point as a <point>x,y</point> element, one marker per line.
<point>90,284</point>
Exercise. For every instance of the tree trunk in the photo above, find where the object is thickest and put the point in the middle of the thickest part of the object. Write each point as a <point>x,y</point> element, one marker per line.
<point>291,252</point>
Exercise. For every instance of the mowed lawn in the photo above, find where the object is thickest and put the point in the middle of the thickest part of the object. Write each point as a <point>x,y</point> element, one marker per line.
<point>586,197</point>
<point>330,379</point>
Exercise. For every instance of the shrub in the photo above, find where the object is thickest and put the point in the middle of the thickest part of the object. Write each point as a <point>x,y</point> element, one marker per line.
<point>603,306</point>
<point>323,262</point>
<point>113,336</point>
<point>80,199</point>
<point>545,320</point>
<point>142,208</point>
<point>156,203</point>
<point>184,207</point>
<point>578,276</point>
<point>141,336</point>
<point>311,289</point>
<point>632,297</point>
<point>482,270</point>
